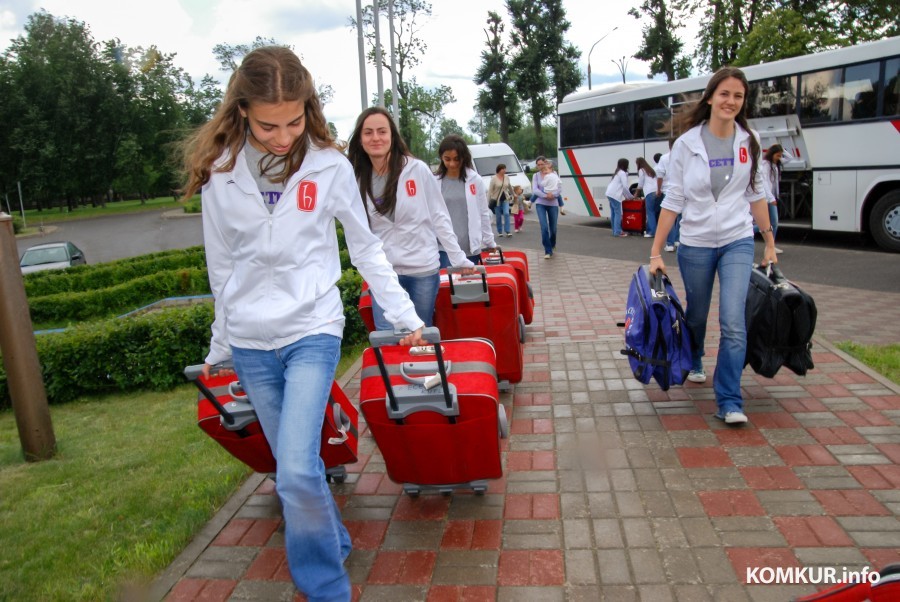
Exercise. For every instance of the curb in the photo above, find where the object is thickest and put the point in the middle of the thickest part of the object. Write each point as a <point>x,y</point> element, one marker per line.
<point>858,365</point>
<point>46,230</point>
<point>178,214</point>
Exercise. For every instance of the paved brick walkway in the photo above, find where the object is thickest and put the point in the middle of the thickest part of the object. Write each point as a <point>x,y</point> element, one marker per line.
<point>614,490</point>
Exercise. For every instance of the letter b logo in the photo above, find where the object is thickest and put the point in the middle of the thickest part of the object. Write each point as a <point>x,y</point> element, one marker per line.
<point>306,195</point>
<point>411,187</point>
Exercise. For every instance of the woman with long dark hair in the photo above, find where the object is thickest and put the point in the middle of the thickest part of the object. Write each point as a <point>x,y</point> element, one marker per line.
<point>771,177</point>
<point>646,187</point>
<point>405,210</point>
<point>616,192</point>
<point>714,183</point>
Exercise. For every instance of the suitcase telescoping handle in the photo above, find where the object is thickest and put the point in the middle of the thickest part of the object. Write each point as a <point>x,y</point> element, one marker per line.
<point>469,291</point>
<point>379,338</point>
<point>193,374</point>
<point>496,251</point>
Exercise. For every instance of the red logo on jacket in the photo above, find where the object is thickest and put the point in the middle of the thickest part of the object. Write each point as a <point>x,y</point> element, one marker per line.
<point>411,187</point>
<point>472,189</point>
<point>306,195</point>
<point>743,155</point>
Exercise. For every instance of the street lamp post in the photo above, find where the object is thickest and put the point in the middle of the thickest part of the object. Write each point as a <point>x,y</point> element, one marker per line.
<point>622,65</point>
<point>592,50</point>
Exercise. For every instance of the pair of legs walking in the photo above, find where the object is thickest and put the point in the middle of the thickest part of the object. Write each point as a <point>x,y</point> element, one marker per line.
<point>502,213</point>
<point>289,388</point>
<point>547,217</point>
<point>422,291</point>
<point>699,267</point>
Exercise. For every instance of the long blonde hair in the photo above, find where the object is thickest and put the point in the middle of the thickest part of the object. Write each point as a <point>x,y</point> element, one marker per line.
<point>267,75</point>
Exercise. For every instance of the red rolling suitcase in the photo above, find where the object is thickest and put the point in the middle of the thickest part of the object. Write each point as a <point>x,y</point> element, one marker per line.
<point>365,307</point>
<point>226,414</point>
<point>634,215</point>
<point>485,305</point>
<point>519,261</point>
<point>434,415</point>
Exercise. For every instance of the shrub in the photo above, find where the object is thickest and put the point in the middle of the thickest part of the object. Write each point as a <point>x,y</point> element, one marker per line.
<point>350,286</point>
<point>193,205</point>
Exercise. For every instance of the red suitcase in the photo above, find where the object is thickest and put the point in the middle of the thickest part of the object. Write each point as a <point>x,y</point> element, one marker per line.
<point>519,261</point>
<point>485,305</point>
<point>225,414</point>
<point>444,434</point>
<point>365,307</point>
<point>634,215</point>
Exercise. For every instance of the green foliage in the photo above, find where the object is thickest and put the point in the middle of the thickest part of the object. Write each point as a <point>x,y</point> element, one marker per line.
<point>499,96</point>
<point>90,277</point>
<point>193,206</point>
<point>17,224</point>
<point>660,46</point>
<point>118,299</point>
<point>884,359</point>
<point>350,286</point>
<point>525,143</point>
<point>133,482</point>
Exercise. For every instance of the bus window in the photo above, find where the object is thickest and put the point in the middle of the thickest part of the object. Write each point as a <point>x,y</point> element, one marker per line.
<point>860,91</point>
<point>657,123</point>
<point>772,97</point>
<point>820,93</point>
<point>891,87</point>
<point>576,128</point>
<point>614,123</point>
<point>650,117</point>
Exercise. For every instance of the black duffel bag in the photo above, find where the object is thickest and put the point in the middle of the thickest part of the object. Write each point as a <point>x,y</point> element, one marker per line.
<point>781,320</point>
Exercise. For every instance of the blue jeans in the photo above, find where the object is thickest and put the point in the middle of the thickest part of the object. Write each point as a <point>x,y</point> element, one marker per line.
<point>502,213</point>
<point>652,208</point>
<point>422,291</point>
<point>675,232</point>
<point>547,216</point>
<point>773,218</point>
<point>445,259</point>
<point>699,266</point>
<point>289,389</point>
<point>615,215</point>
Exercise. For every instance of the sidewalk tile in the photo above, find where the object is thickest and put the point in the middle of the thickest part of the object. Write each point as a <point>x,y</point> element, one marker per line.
<point>812,531</point>
<point>731,503</point>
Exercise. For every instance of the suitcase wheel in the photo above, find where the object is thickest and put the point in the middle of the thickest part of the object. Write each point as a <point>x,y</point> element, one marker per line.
<point>521,329</point>
<point>337,475</point>
<point>503,422</point>
<point>479,490</point>
<point>412,491</point>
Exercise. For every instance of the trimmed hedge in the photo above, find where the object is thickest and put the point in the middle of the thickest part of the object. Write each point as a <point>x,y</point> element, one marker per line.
<point>102,275</point>
<point>144,352</point>
<point>112,300</point>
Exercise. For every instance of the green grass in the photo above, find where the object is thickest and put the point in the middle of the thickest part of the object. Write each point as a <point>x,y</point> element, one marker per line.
<point>132,482</point>
<point>34,218</point>
<point>884,359</point>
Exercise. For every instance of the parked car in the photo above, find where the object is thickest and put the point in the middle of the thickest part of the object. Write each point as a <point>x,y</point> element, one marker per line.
<point>51,256</point>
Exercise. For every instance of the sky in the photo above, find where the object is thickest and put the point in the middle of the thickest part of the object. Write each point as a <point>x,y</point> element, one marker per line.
<point>320,33</point>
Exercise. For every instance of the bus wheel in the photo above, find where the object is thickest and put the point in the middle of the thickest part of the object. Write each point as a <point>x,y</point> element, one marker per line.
<point>884,222</point>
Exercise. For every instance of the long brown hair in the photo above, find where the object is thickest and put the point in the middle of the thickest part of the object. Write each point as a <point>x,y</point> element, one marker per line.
<point>455,142</point>
<point>694,114</point>
<point>642,164</point>
<point>362,164</point>
<point>267,75</point>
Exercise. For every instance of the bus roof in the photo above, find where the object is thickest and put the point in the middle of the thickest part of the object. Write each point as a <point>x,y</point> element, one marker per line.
<point>800,64</point>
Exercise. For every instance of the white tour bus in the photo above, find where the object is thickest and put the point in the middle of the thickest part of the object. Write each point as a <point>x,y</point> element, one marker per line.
<point>837,113</point>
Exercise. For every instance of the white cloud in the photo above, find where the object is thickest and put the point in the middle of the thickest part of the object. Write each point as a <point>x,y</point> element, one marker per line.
<point>319,31</point>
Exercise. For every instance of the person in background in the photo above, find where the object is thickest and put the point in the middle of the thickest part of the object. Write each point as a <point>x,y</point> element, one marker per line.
<point>771,177</point>
<point>546,204</point>
<point>537,188</point>
<point>518,208</point>
<point>646,187</point>
<point>273,183</point>
<point>500,194</point>
<point>405,210</point>
<point>714,178</point>
<point>662,167</point>
<point>616,192</point>
<point>464,195</point>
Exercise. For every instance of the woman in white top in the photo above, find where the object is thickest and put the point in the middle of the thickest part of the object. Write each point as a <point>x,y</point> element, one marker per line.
<point>465,198</point>
<point>272,256</point>
<point>405,211</point>
<point>616,192</point>
<point>646,187</point>
<point>771,177</point>
<point>501,194</point>
<point>713,181</point>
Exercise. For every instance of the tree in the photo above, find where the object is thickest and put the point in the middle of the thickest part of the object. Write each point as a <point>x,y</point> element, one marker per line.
<point>495,74</point>
<point>425,108</point>
<point>409,47</point>
<point>485,125</point>
<point>660,46</point>
<point>542,60</point>
<point>231,55</point>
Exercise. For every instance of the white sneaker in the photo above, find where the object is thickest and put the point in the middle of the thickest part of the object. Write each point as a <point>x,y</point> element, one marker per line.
<point>777,250</point>
<point>562,211</point>
<point>547,256</point>
<point>508,234</point>
<point>733,417</point>
<point>697,376</point>
<point>647,235</point>
<point>670,248</point>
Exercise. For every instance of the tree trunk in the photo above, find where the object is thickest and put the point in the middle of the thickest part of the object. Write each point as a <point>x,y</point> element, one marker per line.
<point>538,134</point>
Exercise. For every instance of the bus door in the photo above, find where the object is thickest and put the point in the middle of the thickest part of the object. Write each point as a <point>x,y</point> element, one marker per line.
<point>795,184</point>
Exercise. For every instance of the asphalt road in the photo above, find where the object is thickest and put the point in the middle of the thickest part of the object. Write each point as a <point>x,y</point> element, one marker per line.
<point>849,260</point>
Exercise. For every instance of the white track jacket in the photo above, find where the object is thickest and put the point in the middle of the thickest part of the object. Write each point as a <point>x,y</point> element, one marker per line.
<point>421,221</point>
<point>705,221</point>
<point>480,234</point>
<point>274,276</point>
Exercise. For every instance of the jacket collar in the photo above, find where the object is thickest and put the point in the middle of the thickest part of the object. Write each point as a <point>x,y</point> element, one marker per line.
<point>315,160</point>
<point>694,141</point>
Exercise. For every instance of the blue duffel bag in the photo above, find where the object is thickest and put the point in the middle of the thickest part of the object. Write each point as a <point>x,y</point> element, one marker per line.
<point>657,341</point>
